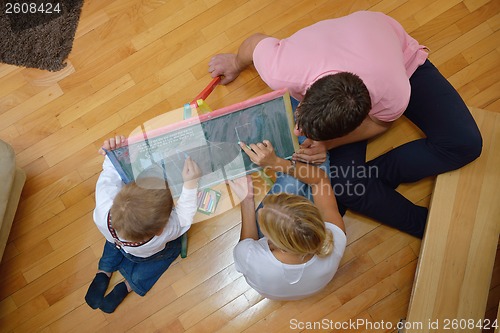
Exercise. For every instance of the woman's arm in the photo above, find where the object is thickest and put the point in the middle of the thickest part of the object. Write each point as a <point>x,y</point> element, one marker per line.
<point>244,190</point>
<point>325,201</point>
<point>263,154</point>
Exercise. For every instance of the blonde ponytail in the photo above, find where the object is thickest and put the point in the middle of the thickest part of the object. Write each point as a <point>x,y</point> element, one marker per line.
<point>327,246</point>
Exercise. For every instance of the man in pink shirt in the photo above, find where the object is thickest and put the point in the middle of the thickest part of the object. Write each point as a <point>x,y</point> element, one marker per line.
<point>354,76</point>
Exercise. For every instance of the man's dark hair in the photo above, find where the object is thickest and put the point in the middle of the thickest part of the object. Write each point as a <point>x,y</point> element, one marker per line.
<point>333,106</point>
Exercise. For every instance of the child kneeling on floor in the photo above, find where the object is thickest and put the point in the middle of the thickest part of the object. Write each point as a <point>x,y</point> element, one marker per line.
<point>142,228</point>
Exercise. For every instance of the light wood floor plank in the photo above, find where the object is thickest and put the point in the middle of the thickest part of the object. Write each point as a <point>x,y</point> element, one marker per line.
<point>134,60</point>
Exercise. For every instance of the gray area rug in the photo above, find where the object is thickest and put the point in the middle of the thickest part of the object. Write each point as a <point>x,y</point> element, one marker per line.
<point>40,35</point>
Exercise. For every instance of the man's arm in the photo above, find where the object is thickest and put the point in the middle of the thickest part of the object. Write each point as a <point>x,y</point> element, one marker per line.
<point>368,129</point>
<point>315,151</point>
<point>230,65</point>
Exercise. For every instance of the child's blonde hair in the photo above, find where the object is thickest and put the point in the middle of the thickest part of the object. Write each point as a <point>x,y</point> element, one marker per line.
<point>141,211</point>
<point>294,224</point>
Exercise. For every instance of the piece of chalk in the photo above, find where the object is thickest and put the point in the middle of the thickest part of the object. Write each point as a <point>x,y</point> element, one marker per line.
<point>239,143</point>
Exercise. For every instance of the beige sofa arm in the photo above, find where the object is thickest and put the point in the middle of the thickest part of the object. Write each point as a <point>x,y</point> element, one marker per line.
<point>12,179</point>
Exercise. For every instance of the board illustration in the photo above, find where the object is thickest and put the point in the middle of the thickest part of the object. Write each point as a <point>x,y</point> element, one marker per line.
<point>211,140</point>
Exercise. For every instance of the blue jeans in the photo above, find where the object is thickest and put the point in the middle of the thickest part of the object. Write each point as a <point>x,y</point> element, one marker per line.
<point>140,273</point>
<point>452,141</point>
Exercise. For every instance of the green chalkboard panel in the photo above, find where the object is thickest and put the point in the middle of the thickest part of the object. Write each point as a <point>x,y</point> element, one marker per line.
<point>211,140</point>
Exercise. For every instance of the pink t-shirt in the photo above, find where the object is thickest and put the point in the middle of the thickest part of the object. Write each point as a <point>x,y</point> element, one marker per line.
<point>371,45</point>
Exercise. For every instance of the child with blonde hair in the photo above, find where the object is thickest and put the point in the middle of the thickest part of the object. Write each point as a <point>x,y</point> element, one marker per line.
<point>294,223</point>
<point>299,252</point>
<point>141,226</point>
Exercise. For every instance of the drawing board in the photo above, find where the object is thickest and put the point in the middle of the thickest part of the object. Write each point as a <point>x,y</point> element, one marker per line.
<point>211,140</point>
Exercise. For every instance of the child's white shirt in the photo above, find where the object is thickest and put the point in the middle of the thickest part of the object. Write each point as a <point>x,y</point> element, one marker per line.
<point>276,280</point>
<point>107,187</point>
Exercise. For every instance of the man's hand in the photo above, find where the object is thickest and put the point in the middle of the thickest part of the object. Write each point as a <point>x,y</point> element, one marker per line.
<point>112,143</point>
<point>311,152</point>
<point>225,64</point>
<point>191,173</point>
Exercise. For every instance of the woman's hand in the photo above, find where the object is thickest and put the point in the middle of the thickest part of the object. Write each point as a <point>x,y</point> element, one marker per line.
<point>243,187</point>
<point>191,173</point>
<point>112,143</point>
<point>261,153</point>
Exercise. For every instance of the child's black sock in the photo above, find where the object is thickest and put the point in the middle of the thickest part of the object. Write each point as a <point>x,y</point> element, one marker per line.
<point>96,291</point>
<point>114,298</point>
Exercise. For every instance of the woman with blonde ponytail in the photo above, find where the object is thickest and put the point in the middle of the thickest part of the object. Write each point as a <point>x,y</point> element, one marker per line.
<point>295,225</point>
<point>301,242</point>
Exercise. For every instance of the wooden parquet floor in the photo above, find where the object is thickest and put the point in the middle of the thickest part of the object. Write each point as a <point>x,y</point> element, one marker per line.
<point>135,59</point>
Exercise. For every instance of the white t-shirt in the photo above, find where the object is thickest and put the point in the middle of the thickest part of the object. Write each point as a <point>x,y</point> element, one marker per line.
<point>107,187</point>
<point>275,280</point>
